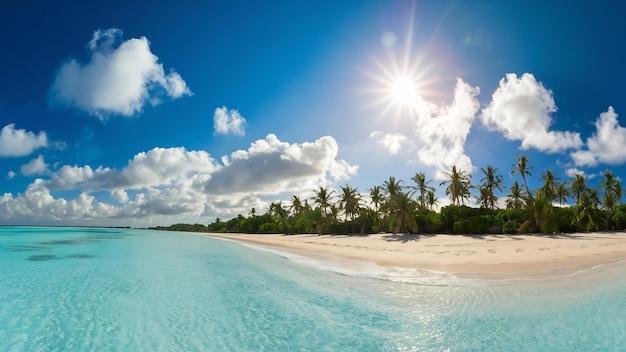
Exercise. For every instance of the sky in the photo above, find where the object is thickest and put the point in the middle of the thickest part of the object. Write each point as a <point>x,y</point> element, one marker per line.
<point>150,113</point>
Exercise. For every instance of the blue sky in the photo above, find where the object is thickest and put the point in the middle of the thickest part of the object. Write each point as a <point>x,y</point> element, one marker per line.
<point>152,113</point>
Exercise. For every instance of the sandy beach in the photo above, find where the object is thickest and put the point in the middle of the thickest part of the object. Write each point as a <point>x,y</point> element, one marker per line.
<point>463,255</point>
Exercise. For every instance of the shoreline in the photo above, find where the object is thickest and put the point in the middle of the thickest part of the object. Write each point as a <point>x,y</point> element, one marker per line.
<point>464,256</point>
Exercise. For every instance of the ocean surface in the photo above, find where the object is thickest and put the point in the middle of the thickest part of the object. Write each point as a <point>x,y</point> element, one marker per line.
<point>80,289</point>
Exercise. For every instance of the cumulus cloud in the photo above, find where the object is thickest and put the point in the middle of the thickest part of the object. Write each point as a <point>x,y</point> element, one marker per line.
<point>168,185</point>
<point>228,122</point>
<point>521,108</point>
<point>158,166</point>
<point>10,175</point>
<point>36,166</point>
<point>393,142</point>
<point>18,142</point>
<point>38,205</point>
<point>120,195</point>
<point>572,172</point>
<point>119,77</point>
<point>606,145</point>
<point>270,166</point>
<point>442,130</point>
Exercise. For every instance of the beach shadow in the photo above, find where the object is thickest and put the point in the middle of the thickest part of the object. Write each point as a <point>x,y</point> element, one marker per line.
<point>405,237</point>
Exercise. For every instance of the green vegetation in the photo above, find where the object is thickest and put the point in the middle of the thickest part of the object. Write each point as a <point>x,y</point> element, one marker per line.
<point>393,207</point>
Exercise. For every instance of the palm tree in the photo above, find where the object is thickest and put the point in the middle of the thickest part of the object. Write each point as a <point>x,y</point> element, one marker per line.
<point>549,185</point>
<point>392,187</point>
<point>423,188</point>
<point>586,209</point>
<point>323,199</point>
<point>376,195</point>
<point>514,200</point>
<point>432,200</point>
<point>610,197</point>
<point>277,210</point>
<point>523,169</point>
<point>350,201</point>
<point>377,198</point>
<point>578,186</point>
<point>490,183</point>
<point>562,192</point>
<point>458,186</point>
<point>296,206</point>
<point>538,215</point>
<point>402,213</point>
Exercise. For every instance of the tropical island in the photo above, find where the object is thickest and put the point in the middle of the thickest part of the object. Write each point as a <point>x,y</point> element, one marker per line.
<point>396,207</point>
<point>535,234</point>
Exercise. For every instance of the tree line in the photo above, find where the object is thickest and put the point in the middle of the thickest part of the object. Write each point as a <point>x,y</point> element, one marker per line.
<point>411,208</point>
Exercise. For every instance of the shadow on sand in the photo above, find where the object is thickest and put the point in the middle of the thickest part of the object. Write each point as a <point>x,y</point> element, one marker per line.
<point>403,237</point>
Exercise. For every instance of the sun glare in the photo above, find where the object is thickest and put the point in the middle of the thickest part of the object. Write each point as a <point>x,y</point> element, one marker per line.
<point>404,92</point>
<point>403,82</point>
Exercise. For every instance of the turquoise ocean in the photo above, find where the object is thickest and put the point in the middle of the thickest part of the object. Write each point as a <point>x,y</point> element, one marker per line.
<point>81,289</point>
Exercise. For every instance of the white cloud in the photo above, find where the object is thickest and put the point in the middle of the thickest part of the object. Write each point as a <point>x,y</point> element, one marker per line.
<point>156,167</point>
<point>228,121</point>
<point>270,166</point>
<point>606,145</point>
<point>521,109</point>
<point>120,195</point>
<point>442,130</point>
<point>572,172</point>
<point>18,142</point>
<point>36,166</point>
<point>117,79</point>
<point>393,142</point>
<point>10,175</point>
<point>170,185</point>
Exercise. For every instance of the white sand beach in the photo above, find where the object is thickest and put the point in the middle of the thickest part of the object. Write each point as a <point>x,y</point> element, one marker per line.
<point>463,255</point>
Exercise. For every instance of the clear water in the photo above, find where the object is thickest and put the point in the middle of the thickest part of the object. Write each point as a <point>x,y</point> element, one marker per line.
<point>76,289</point>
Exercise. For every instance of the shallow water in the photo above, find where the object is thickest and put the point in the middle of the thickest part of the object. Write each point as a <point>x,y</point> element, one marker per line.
<point>76,289</point>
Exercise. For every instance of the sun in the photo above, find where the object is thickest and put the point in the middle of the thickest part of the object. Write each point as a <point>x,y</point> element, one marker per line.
<point>405,81</point>
<point>402,84</point>
<point>403,92</point>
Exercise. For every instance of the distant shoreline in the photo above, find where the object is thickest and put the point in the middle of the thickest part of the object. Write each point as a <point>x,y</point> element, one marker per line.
<point>476,256</point>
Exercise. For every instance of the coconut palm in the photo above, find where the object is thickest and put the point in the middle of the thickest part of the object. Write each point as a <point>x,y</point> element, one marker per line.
<point>458,186</point>
<point>350,201</point>
<point>392,187</point>
<point>402,213</point>
<point>562,192</point>
<point>376,195</point>
<point>377,198</point>
<point>431,200</point>
<point>586,209</point>
<point>578,186</point>
<point>422,188</point>
<point>523,169</point>
<point>514,200</point>
<point>323,198</point>
<point>277,210</point>
<point>296,206</point>
<point>550,185</point>
<point>490,183</point>
<point>610,196</point>
<point>539,212</point>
